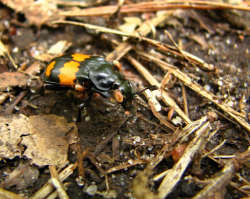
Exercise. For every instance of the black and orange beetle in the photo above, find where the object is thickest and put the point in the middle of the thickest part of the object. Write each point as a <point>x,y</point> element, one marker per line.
<point>88,74</point>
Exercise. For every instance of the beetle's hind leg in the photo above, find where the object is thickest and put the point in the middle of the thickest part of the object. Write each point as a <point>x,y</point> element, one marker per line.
<point>55,87</point>
<point>82,105</point>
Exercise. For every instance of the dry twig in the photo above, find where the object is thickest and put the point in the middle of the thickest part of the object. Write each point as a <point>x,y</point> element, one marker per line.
<point>48,187</point>
<point>175,174</point>
<point>153,7</point>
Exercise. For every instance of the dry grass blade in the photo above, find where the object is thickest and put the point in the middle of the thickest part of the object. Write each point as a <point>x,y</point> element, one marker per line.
<point>170,49</point>
<point>57,183</point>
<point>93,27</point>
<point>168,146</point>
<point>177,47</point>
<point>79,3</point>
<point>125,46</point>
<point>215,149</point>
<point>48,187</point>
<point>153,7</point>
<point>184,100</point>
<point>219,183</point>
<point>9,195</point>
<point>4,52</point>
<point>150,78</point>
<point>144,29</point>
<point>200,90</point>
<point>139,34</point>
<point>175,174</point>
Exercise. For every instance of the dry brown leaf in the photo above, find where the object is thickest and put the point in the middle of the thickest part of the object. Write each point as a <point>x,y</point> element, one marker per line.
<point>11,128</point>
<point>23,176</point>
<point>173,22</point>
<point>45,138</point>
<point>9,80</point>
<point>130,24</point>
<point>47,144</point>
<point>200,40</point>
<point>59,47</point>
<point>103,158</point>
<point>37,12</point>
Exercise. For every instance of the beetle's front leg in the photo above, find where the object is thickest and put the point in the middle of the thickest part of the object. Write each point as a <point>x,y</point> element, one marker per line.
<point>90,94</point>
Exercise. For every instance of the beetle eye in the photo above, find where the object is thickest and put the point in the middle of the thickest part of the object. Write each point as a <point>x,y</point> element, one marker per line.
<point>117,84</point>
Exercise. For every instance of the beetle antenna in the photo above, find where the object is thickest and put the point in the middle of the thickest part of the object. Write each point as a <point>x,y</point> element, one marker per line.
<point>140,101</point>
<point>150,88</point>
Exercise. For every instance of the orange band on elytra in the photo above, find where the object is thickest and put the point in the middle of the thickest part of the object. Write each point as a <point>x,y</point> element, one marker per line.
<point>80,57</point>
<point>49,68</point>
<point>68,73</point>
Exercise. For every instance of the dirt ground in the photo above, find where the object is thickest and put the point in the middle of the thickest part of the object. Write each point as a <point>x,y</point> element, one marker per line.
<point>187,138</point>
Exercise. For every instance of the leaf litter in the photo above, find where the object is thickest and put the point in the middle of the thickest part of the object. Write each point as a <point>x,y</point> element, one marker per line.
<point>25,137</point>
<point>23,176</point>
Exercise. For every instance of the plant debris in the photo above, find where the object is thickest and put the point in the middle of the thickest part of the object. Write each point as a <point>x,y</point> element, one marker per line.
<point>20,131</point>
<point>23,176</point>
<point>40,145</point>
<point>9,80</point>
<point>37,12</point>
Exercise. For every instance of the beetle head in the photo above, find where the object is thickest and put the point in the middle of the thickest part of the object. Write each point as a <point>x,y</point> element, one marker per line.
<point>123,93</point>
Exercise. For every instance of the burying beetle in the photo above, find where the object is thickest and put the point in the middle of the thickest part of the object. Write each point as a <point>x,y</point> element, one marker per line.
<point>88,74</point>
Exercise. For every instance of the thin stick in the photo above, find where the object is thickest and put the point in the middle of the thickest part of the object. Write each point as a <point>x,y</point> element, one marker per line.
<point>184,100</point>
<point>48,187</point>
<point>153,7</point>
<point>215,149</point>
<point>174,175</point>
<point>57,183</point>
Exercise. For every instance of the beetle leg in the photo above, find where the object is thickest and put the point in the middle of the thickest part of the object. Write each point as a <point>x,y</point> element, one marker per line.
<point>102,93</point>
<point>42,90</point>
<point>82,105</point>
<point>79,87</point>
<point>55,87</point>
